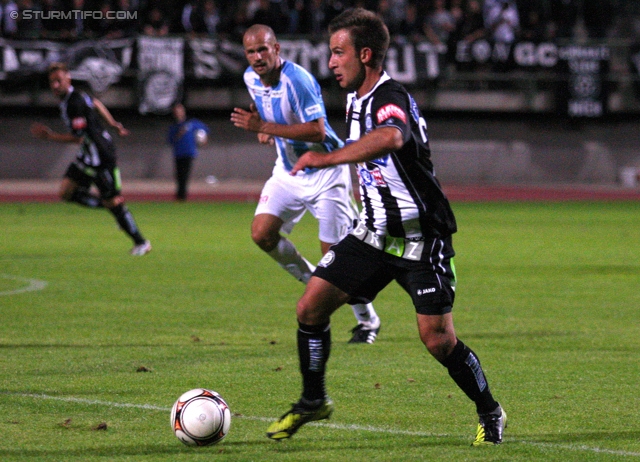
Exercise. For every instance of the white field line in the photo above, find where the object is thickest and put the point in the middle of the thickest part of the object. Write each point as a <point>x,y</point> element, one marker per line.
<point>388,431</point>
<point>32,285</point>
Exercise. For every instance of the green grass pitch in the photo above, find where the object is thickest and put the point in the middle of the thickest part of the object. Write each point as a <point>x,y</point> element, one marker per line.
<point>96,345</point>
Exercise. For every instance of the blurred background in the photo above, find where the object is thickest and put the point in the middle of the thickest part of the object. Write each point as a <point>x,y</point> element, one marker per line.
<point>514,91</point>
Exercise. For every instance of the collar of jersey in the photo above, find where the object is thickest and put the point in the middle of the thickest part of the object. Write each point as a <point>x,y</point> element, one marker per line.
<point>383,78</point>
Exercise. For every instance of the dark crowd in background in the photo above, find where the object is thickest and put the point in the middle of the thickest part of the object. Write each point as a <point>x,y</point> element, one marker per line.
<point>438,21</point>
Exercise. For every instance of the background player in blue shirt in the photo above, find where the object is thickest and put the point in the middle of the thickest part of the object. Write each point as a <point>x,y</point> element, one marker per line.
<point>184,136</point>
<point>289,112</point>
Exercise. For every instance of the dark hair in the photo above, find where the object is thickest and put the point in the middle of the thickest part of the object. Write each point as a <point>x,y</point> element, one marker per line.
<point>56,66</point>
<point>367,30</point>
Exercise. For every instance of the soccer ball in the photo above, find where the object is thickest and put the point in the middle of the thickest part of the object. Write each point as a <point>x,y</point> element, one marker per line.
<point>201,137</point>
<point>200,417</point>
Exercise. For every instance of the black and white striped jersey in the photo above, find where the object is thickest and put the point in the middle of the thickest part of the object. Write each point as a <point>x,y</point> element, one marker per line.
<point>78,114</point>
<point>400,194</point>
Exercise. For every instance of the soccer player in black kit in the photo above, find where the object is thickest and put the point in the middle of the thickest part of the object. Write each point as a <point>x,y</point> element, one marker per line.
<point>404,231</point>
<point>96,160</point>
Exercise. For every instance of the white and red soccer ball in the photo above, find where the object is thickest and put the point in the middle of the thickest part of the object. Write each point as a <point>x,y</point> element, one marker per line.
<point>200,417</point>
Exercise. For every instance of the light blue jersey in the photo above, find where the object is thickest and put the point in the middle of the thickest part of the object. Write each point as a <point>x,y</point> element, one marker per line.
<point>296,99</point>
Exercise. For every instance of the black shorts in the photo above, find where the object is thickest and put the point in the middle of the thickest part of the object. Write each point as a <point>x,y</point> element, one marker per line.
<point>106,179</point>
<point>362,271</point>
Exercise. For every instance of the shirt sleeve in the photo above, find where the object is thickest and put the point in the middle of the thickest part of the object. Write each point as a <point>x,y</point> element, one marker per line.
<point>306,97</point>
<point>390,108</point>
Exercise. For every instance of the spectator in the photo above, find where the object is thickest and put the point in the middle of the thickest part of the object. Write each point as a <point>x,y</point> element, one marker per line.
<point>155,24</point>
<point>313,19</point>
<point>411,25</point>
<point>502,23</point>
<point>190,14</point>
<point>272,13</point>
<point>55,27</point>
<point>103,25</point>
<point>564,14</point>
<point>389,14</point>
<point>237,22</point>
<point>127,20</point>
<point>77,27</point>
<point>8,18</point>
<point>533,29</point>
<point>439,24</point>
<point>598,17</point>
<point>470,30</point>
<point>28,29</point>
<point>211,18</point>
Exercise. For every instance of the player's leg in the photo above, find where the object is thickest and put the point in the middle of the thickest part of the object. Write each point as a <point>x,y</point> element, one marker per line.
<point>109,184</point>
<point>183,169</point>
<point>337,274</point>
<point>75,187</point>
<point>278,210</point>
<point>438,335</point>
<point>431,285</point>
<point>335,211</point>
<point>265,232</point>
<point>314,309</point>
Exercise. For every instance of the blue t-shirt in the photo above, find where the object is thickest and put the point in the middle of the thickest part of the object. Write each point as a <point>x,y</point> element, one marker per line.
<point>296,99</point>
<point>183,137</point>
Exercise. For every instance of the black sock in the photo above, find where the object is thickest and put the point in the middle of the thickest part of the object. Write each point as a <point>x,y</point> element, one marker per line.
<point>314,346</point>
<point>83,197</point>
<point>465,370</point>
<point>127,223</point>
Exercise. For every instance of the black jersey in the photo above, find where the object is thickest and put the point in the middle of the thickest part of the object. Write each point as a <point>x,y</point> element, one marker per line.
<point>401,196</point>
<point>79,115</point>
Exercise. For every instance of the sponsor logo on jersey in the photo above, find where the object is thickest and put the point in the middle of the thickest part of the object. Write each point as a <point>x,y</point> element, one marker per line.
<point>390,110</point>
<point>315,109</point>
<point>371,177</point>
<point>264,199</point>
<point>328,258</point>
<point>79,123</point>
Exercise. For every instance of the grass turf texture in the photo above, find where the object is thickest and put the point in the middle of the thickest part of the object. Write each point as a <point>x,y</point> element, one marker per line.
<point>547,297</point>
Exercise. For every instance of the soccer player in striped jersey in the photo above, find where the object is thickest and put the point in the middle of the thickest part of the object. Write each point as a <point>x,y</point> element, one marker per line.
<point>289,112</point>
<point>95,163</point>
<point>404,231</point>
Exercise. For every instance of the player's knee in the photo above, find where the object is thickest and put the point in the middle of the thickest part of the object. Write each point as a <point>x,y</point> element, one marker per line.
<point>439,346</point>
<point>113,202</point>
<point>267,241</point>
<point>306,311</point>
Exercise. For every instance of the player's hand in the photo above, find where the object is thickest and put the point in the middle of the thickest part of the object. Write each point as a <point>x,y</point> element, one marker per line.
<point>263,138</point>
<point>248,120</point>
<point>121,130</point>
<point>40,130</point>
<point>310,159</point>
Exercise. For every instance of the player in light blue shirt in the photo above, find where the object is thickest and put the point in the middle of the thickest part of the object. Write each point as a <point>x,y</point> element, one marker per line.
<point>288,111</point>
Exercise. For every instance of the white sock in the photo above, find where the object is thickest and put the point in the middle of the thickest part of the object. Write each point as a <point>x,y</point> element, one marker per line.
<point>366,315</point>
<point>290,259</point>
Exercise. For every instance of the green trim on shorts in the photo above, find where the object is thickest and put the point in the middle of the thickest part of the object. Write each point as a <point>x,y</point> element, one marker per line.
<point>117,180</point>
<point>89,171</point>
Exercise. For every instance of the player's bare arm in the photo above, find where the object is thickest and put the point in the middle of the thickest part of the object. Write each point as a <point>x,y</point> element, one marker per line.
<point>41,131</point>
<point>373,145</point>
<point>108,118</point>
<point>312,131</point>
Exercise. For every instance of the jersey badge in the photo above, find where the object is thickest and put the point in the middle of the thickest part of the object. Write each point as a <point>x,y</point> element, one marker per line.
<point>79,123</point>
<point>390,110</point>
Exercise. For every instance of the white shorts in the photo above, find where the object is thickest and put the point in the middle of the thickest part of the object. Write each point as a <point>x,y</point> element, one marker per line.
<point>326,193</point>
